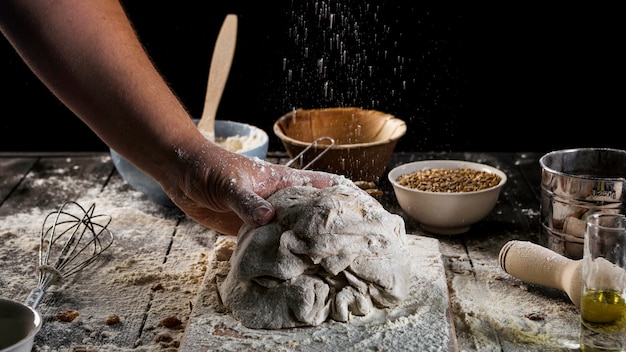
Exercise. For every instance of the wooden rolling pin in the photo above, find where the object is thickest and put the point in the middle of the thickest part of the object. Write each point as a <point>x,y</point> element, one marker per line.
<point>538,265</point>
<point>535,264</point>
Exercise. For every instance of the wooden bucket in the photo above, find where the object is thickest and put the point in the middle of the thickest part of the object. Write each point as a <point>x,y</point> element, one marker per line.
<point>364,139</point>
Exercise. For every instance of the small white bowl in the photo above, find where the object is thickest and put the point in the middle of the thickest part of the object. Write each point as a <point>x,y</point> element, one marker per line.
<point>223,129</point>
<point>445,213</point>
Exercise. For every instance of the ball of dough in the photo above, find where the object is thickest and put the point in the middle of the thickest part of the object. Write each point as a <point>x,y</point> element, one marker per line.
<point>329,253</point>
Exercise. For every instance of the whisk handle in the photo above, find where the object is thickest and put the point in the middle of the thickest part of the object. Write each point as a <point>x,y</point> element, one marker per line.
<point>34,297</point>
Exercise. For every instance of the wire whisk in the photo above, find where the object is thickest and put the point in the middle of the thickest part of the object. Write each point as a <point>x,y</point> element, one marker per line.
<point>71,239</point>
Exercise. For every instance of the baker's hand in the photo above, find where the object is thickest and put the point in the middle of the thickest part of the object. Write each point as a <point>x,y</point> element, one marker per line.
<point>228,189</point>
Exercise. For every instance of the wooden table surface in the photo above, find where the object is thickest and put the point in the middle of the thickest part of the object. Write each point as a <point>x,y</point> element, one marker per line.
<point>152,274</point>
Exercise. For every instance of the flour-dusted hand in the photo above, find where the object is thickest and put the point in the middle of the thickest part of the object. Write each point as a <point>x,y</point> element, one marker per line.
<point>224,190</point>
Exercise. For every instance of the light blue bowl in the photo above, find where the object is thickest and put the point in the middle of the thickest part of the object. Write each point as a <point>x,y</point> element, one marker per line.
<point>145,184</point>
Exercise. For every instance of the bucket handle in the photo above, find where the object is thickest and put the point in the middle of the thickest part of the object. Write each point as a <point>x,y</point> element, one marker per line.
<point>315,142</point>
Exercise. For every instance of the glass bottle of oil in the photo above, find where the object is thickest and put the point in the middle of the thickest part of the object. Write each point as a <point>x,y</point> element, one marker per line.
<point>605,310</point>
<point>603,319</point>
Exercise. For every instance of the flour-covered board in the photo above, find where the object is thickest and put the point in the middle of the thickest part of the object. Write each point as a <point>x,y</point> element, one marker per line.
<point>422,321</point>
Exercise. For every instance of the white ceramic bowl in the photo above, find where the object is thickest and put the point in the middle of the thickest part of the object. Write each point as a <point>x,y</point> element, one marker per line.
<point>445,213</point>
<point>223,129</point>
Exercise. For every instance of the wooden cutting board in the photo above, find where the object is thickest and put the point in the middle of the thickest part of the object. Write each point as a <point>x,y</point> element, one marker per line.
<point>421,321</point>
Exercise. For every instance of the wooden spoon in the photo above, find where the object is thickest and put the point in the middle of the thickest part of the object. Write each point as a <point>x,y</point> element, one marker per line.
<point>223,53</point>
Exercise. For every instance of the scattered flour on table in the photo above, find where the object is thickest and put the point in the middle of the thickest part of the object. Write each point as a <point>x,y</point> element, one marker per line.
<point>498,304</point>
<point>19,247</point>
<point>142,268</point>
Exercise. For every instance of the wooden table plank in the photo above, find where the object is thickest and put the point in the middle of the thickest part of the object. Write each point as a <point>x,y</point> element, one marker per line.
<point>54,180</point>
<point>13,170</point>
<point>181,280</point>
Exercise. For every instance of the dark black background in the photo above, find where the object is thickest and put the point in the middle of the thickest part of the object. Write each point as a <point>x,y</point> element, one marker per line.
<point>478,78</point>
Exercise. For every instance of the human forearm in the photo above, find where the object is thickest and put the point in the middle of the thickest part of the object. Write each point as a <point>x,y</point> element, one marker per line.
<point>106,80</point>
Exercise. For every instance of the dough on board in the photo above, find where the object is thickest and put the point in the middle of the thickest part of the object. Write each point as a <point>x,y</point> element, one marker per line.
<point>329,253</point>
